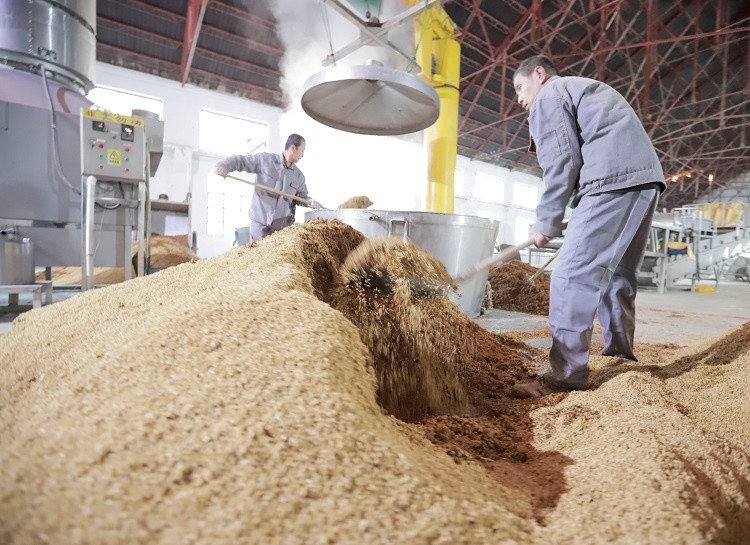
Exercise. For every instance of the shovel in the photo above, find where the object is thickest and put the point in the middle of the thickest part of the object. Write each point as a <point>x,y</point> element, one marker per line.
<point>546,264</point>
<point>310,203</point>
<point>496,259</point>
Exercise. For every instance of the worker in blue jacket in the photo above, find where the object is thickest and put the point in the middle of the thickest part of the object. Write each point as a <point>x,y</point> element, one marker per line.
<point>596,156</point>
<point>271,212</point>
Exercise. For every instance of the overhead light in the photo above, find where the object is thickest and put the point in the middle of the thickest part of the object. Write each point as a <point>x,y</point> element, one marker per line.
<point>370,99</point>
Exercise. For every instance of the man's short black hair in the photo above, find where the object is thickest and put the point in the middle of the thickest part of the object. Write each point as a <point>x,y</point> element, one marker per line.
<point>294,140</point>
<point>528,66</point>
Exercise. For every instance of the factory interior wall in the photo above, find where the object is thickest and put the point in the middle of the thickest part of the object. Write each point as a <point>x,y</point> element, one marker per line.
<point>338,165</point>
<point>735,191</point>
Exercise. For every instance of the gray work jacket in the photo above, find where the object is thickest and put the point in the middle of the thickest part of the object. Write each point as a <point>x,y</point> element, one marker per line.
<point>268,208</point>
<point>588,140</point>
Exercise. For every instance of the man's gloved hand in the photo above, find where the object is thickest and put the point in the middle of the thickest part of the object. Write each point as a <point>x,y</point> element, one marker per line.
<point>314,204</point>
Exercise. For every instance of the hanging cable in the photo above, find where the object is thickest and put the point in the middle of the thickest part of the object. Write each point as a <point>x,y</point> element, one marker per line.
<point>53,130</point>
<point>327,25</point>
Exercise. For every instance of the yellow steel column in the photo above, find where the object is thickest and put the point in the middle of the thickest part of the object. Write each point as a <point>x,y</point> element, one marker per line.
<point>439,55</point>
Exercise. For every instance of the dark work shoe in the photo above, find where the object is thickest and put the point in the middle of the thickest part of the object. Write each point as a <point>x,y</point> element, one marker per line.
<point>536,388</point>
<point>620,355</point>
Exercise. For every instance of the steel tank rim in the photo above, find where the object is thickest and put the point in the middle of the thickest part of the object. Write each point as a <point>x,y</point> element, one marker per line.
<point>422,218</point>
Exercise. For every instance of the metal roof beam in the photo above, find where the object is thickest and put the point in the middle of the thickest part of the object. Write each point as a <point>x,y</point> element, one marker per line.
<point>196,10</point>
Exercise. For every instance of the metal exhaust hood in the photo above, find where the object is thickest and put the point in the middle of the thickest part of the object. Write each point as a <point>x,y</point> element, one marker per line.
<point>370,99</point>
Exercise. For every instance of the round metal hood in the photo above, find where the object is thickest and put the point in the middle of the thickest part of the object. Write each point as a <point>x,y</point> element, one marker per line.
<point>370,99</point>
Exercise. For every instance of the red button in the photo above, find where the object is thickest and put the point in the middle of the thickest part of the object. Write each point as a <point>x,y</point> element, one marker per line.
<point>101,145</point>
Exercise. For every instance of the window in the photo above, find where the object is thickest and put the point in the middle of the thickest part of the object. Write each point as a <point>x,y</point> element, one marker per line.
<point>228,200</point>
<point>521,231</point>
<point>525,195</point>
<point>489,214</point>
<point>124,102</point>
<point>228,135</point>
<point>227,205</point>
<point>458,182</point>
<point>489,188</point>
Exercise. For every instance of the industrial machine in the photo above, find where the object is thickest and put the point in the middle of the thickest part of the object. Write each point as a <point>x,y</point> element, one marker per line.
<point>51,137</point>
<point>686,244</point>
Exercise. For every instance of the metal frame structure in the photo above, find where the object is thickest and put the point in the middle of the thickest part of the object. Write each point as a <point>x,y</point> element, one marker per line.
<point>684,66</point>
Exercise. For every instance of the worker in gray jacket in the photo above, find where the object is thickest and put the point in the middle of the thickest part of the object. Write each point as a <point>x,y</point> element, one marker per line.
<point>596,156</point>
<point>270,212</point>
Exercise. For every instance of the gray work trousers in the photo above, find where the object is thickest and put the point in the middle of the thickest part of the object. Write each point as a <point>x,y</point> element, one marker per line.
<point>596,271</point>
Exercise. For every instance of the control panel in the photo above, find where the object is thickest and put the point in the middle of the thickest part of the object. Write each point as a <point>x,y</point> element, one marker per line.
<point>113,146</point>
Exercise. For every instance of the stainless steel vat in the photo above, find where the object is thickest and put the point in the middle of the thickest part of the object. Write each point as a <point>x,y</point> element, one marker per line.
<point>16,260</point>
<point>458,241</point>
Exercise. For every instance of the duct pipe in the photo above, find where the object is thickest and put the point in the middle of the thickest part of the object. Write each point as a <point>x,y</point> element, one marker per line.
<point>439,55</point>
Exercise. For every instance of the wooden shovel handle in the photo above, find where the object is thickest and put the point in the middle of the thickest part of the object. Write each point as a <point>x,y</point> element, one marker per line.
<point>494,260</point>
<point>307,202</point>
<point>546,264</point>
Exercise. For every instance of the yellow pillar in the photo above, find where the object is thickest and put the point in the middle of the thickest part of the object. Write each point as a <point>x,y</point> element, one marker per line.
<point>439,55</point>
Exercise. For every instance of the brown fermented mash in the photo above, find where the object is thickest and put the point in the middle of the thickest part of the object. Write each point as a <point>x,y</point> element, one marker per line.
<point>512,290</point>
<point>227,401</point>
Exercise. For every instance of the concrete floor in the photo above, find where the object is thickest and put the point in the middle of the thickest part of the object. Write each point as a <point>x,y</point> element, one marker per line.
<point>678,316</point>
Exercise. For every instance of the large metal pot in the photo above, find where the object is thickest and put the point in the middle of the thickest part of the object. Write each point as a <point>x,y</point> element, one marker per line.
<point>458,241</point>
<point>16,260</point>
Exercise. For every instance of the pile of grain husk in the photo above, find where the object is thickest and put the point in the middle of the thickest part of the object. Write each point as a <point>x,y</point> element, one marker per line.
<point>218,402</point>
<point>227,401</point>
<point>166,251</point>
<point>360,202</point>
<point>394,292</point>
<point>511,289</point>
<point>71,276</point>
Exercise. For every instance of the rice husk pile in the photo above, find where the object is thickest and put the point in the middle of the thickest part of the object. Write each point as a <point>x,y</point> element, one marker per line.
<point>359,202</point>
<point>223,401</point>
<point>511,289</point>
<point>394,292</point>
<point>71,276</point>
<point>166,251</point>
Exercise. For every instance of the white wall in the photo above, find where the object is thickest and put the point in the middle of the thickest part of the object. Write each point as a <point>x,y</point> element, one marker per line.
<point>501,208</point>
<point>182,105</point>
<point>337,165</point>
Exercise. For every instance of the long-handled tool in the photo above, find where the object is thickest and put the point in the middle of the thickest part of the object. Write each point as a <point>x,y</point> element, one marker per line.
<point>310,203</point>
<point>494,260</point>
<point>546,264</point>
